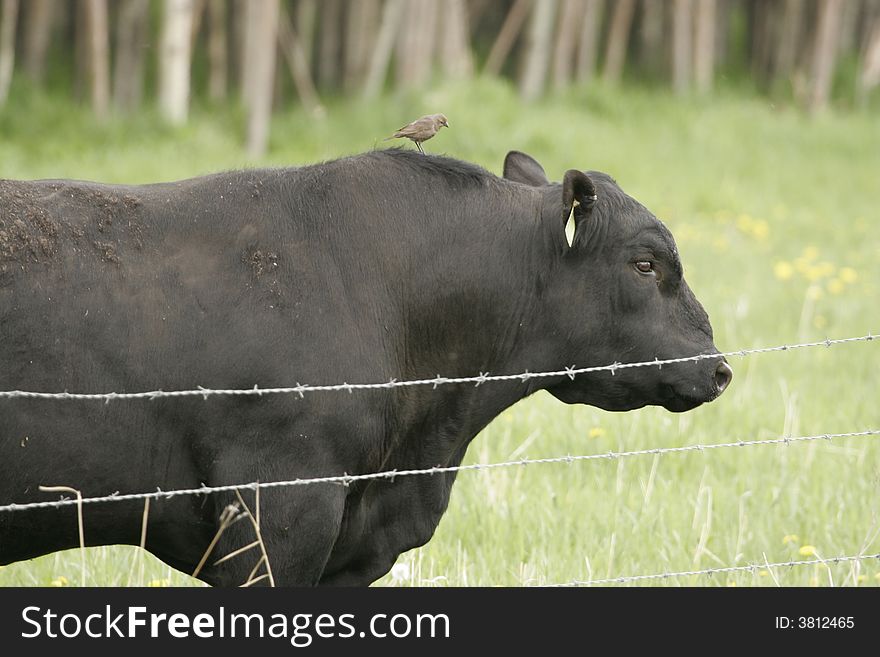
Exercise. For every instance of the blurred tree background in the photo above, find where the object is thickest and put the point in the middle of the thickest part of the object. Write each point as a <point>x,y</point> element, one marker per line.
<point>118,55</point>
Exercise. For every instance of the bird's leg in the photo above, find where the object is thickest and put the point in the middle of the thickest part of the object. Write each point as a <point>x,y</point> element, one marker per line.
<point>419,146</point>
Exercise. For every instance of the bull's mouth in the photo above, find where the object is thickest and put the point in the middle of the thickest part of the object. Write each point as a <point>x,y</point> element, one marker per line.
<point>676,402</point>
<point>679,404</point>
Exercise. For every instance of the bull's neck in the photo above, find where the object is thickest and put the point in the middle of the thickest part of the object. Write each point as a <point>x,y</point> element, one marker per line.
<point>475,303</point>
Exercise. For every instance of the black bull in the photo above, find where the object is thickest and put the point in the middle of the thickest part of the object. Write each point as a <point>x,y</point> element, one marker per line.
<point>384,265</point>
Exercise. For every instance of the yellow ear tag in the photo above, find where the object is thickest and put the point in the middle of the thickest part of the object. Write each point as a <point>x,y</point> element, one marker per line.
<point>569,225</point>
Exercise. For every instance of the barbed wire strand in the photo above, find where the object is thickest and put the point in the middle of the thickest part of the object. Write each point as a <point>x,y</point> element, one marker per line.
<point>346,479</point>
<point>484,377</point>
<point>713,571</point>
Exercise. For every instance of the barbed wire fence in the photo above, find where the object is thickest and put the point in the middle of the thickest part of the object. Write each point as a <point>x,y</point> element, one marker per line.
<point>709,572</point>
<point>484,377</point>
<point>346,479</point>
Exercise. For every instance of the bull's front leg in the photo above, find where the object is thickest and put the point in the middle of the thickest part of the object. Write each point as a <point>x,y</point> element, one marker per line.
<point>282,536</point>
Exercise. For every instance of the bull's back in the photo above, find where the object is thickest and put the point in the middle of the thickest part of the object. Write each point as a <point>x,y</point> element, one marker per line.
<point>144,272</point>
<point>44,222</point>
<point>130,288</point>
<point>217,281</point>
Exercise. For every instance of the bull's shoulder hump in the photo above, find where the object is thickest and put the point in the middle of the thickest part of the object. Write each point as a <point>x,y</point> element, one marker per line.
<point>398,161</point>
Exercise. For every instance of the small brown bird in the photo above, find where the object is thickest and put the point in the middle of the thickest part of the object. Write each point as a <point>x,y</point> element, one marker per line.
<point>421,129</point>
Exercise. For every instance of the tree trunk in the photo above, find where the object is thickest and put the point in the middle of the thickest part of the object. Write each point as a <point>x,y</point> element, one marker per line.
<point>261,40</point>
<point>870,16</point>
<point>723,11</point>
<point>361,23</point>
<point>618,40</point>
<point>218,52</point>
<point>538,46</point>
<point>38,30</point>
<point>80,49</point>
<point>476,10</point>
<point>681,45</point>
<point>331,45</point>
<point>306,20</point>
<point>391,18</point>
<point>174,60</point>
<point>566,40</point>
<point>99,57</point>
<point>291,48</point>
<point>237,11</point>
<point>415,48</point>
<point>588,48</point>
<point>765,29</point>
<point>195,26</point>
<point>510,30</point>
<point>869,69</point>
<point>9,18</point>
<point>824,54</point>
<point>652,37</point>
<point>789,37</point>
<point>850,13</point>
<point>704,46</point>
<point>132,24</point>
<point>455,51</point>
<point>246,80</point>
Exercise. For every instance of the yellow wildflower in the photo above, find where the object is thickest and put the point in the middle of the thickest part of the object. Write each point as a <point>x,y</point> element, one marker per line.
<point>813,274</point>
<point>807,550</point>
<point>790,538</point>
<point>862,578</point>
<point>764,573</point>
<point>820,321</point>
<point>810,253</point>
<point>783,270</point>
<point>731,584</point>
<point>802,265</point>
<point>814,292</point>
<point>744,222</point>
<point>835,286</point>
<point>158,583</point>
<point>848,275</point>
<point>59,581</point>
<point>596,432</point>
<point>760,229</point>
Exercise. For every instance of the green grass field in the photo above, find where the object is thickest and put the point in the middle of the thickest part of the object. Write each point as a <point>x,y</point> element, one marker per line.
<point>776,219</point>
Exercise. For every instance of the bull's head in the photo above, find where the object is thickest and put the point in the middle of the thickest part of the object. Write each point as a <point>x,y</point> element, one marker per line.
<point>619,295</point>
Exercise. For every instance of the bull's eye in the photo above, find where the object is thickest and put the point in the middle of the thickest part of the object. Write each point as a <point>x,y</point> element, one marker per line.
<point>645,266</point>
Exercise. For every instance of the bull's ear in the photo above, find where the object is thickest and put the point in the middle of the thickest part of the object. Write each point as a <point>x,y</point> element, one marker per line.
<point>578,198</point>
<point>525,169</point>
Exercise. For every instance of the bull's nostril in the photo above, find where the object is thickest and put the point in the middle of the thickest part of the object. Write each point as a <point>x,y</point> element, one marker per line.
<point>723,376</point>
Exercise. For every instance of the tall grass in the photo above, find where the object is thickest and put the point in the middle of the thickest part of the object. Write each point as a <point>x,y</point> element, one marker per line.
<point>776,219</point>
